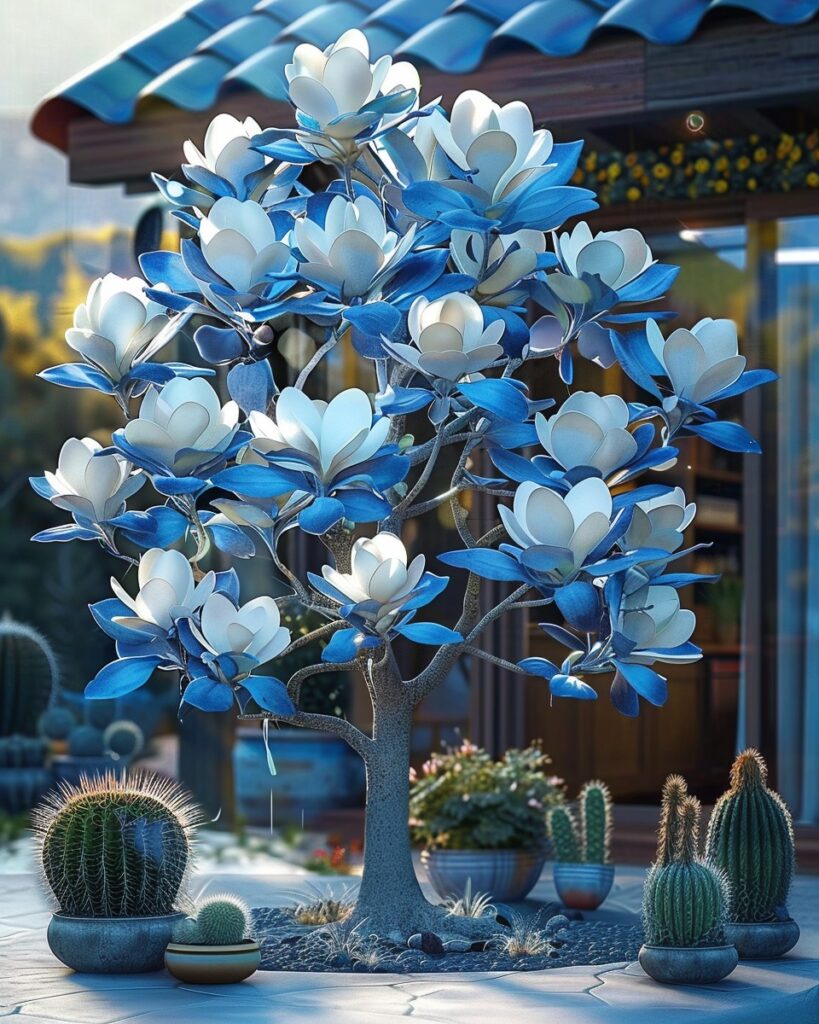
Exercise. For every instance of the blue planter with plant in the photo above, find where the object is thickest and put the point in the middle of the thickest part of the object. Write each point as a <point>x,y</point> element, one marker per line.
<point>582,874</point>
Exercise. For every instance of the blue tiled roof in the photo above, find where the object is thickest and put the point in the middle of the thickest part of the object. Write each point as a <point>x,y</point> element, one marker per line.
<point>214,45</point>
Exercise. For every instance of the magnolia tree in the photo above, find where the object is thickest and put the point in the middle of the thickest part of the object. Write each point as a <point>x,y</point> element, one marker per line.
<point>435,239</point>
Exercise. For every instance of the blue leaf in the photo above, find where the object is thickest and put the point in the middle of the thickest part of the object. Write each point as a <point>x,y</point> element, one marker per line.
<point>155,373</point>
<point>214,183</point>
<point>229,538</point>
<point>368,323</point>
<point>563,685</point>
<point>499,397</point>
<point>257,481</point>
<point>579,604</point>
<point>563,636</point>
<point>171,486</point>
<point>269,693</point>
<point>628,355</point>
<point>517,468</point>
<point>651,284</point>
<point>749,379</point>
<point>485,562</point>
<point>429,587</point>
<point>159,527</point>
<point>539,667</point>
<point>41,486</point>
<point>189,639</point>
<point>104,612</point>
<point>167,268</point>
<point>516,332</point>
<point>321,515</point>
<point>428,633</point>
<point>398,401</point>
<point>344,646</point>
<point>732,437</point>
<point>219,344</point>
<point>227,583</point>
<point>649,684</point>
<point>623,697</point>
<point>251,385</point>
<point>77,375</point>
<point>177,194</point>
<point>208,695</point>
<point>121,677</point>
<point>61,534</point>
<point>566,366</point>
<point>363,506</point>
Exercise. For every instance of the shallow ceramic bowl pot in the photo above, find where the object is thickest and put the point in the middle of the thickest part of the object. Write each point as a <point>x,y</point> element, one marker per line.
<point>213,965</point>
<point>762,940</point>
<point>673,965</point>
<point>506,875</point>
<point>111,945</point>
<point>583,886</point>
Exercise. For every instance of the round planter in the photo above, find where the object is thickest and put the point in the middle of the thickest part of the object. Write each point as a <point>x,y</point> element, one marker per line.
<point>506,875</point>
<point>213,965</point>
<point>583,886</point>
<point>111,945</point>
<point>673,965</point>
<point>762,940</point>
<point>316,772</point>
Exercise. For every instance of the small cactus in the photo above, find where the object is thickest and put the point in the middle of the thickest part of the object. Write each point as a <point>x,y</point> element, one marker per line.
<point>28,677</point>
<point>56,723</point>
<point>675,791</point>
<point>595,822</point>
<point>223,920</point>
<point>685,900</point>
<point>750,836</point>
<point>115,846</point>
<point>123,738</point>
<point>85,741</point>
<point>187,932</point>
<point>563,833</point>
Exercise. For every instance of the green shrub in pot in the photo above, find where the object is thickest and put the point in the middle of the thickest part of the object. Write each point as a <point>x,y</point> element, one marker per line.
<point>215,945</point>
<point>482,820</point>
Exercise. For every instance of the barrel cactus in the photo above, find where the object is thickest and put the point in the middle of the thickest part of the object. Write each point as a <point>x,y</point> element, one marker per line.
<point>223,920</point>
<point>28,677</point>
<point>750,836</point>
<point>685,900</point>
<point>85,741</point>
<point>586,841</point>
<point>124,739</point>
<point>56,723</point>
<point>116,846</point>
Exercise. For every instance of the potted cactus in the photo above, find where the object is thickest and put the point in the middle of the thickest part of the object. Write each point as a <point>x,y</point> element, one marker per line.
<point>583,875</point>
<point>214,945</point>
<point>750,836</point>
<point>114,853</point>
<point>685,901</point>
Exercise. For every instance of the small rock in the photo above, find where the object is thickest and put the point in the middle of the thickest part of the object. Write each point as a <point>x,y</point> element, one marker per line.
<point>480,946</point>
<point>414,941</point>
<point>553,954</point>
<point>457,945</point>
<point>431,943</point>
<point>554,924</point>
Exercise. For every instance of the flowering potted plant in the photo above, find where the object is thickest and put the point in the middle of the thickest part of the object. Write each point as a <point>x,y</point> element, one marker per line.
<point>483,822</point>
<point>422,256</point>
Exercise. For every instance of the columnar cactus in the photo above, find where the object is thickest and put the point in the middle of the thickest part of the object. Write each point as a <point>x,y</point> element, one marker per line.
<point>563,833</point>
<point>750,836</point>
<point>223,920</point>
<point>116,846</point>
<point>685,900</point>
<point>28,676</point>
<point>675,791</point>
<point>595,821</point>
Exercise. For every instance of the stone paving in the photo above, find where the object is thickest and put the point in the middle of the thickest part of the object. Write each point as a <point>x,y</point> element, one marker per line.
<point>36,989</point>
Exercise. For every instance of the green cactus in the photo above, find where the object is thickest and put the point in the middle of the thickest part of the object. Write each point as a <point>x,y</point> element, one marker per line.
<point>750,836</point>
<point>114,846</point>
<point>123,738</point>
<point>56,723</point>
<point>28,677</point>
<point>187,932</point>
<point>675,791</point>
<point>85,741</point>
<point>223,920</point>
<point>685,900</point>
<point>563,833</point>
<point>595,822</point>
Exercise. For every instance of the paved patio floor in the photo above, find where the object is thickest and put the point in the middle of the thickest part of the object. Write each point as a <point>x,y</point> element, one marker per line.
<point>36,989</point>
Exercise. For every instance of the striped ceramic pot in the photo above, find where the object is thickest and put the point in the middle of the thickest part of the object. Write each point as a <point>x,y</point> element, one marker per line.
<point>583,886</point>
<point>505,875</point>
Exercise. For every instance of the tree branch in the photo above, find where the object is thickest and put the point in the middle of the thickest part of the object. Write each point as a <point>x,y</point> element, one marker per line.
<point>361,743</point>
<point>510,666</point>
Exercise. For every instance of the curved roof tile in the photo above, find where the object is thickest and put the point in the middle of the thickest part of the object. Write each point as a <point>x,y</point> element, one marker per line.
<point>215,45</point>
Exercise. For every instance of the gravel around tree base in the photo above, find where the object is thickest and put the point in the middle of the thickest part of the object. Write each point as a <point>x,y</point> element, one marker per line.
<point>288,946</point>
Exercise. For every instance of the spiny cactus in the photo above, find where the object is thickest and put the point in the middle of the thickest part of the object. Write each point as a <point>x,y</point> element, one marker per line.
<point>750,836</point>
<point>675,792</point>
<point>595,821</point>
<point>563,833</point>
<point>85,741</point>
<point>685,900</point>
<point>56,723</point>
<point>123,738</point>
<point>115,846</point>
<point>187,932</point>
<point>223,920</point>
<point>28,677</point>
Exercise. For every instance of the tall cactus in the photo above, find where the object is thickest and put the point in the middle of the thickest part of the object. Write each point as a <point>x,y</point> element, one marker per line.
<point>595,821</point>
<point>563,833</point>
<point>116,846</point>
<point>28,677</point>
<point>675,791</point>
<point>750,836</point>
<point>685,899</point>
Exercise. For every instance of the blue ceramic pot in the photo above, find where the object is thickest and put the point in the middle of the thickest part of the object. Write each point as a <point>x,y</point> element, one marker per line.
<point>506,875</point>
<point>111,945</point>
<point>673,965</point>
<point>763,940</point>
<point>583,886</point>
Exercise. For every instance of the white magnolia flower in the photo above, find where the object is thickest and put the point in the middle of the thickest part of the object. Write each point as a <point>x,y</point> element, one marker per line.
<point>449,337</point>
<point>227,151</point>
<point>355,252</point>
<point>167,591</point>
<point>334,435</point>
<point>435,148</point>
<point>240,244</point>
<point>700,362</point>
<point>659,522</point>
<point>90,487</point>
<point>183,426</point>
<point>253,629</point>
<point>498,144</point>
<point>588,430</point>
<point>575,522</point>
<point>379,573</point>
<point>115,326</point>
<point>511,265</point>
<point>616,257</point>
<point>336,88</point>
<point>652,618</point>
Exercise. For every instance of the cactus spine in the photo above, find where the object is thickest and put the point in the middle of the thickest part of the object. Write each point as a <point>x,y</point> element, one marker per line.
<point>588,841</point>
<point>223,920</point>
<point>115,847</point>
<point>750,836</point>
<point>685,899</point>
<point>28,677</point>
